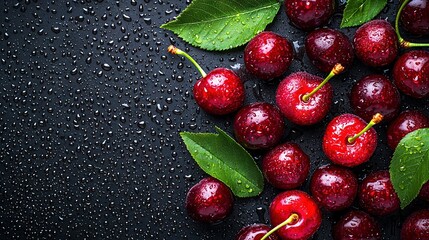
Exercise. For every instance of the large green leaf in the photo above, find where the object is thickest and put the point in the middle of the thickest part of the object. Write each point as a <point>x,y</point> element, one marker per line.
<point>409,168</point>
<point>358,12</point>
<point>223,158</point>
<point>223,24</point>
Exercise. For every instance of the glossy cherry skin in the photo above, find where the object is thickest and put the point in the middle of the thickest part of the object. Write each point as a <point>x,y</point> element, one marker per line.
<point>334,187</point>
<point>356,225</point>
<point>376,194</point>
<point>411,73</point>
<point>299,202</point>
<point>268,55</point>
<point>209,201</point>
<point>415,17</point>
<point>255,232</point>
<point>424,192</point>
<point>289,98</point>
<point>326,47</point>
<point>335,141</point>
<point>309,14</point>
<point>405,123</point>
<point>286,166</point>
<point>376,43</point>
<point>416,226</point>
<point>220,92</point>
<point>259,126</point>
<point>373,94</point>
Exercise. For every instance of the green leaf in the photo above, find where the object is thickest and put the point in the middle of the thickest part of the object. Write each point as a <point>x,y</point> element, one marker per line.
<point>223,24</point>
<point>409,168</point>
<point>223,158</point>
<point>358,12</point>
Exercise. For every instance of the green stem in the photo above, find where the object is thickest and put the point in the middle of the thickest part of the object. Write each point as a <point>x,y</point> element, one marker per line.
<point>292,218</point>
<point>402,42</point>
<point>174,50</point>
<point>375,119</point>
<point>337,69</point>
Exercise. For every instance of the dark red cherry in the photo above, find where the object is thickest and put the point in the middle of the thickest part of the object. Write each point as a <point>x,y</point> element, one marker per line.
<point>209,201</point>
<point>416,226</point>
<point>373,94</point>
<point>255,232</point>
<point>309,14</point>
<point>377,195</point>
<point>356,225</point>
<point>326,47</point>
<point>405,123</point>
<point>376,43</point>
<point>411,73</point>
<point>334,187</point>
<point>415,17</point>
<point>259,125</point>
<point>286,166</point>
<point>268,55</point>
<point>424,192</point>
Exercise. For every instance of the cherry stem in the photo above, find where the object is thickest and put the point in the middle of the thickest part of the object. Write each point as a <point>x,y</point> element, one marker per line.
<point>337,69</point>
<point>375,119</point>
<point>402,42</point>
<point>174,50</point>
<point>292,218</point>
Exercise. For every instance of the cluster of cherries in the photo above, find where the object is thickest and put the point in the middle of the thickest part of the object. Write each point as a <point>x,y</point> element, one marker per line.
<point>304,99</point>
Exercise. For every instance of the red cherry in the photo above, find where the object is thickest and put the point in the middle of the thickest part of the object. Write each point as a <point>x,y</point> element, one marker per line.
<point>259,125</point>
<point>373,94</point>
<point>415,17</point>
<point>268,55</point>
<point>334,187</point>
<point>309,14</point>
<point>376,43</point>
<point>209,201</point>
<point>286,166</point>
<point>405,123</point>
<point>349,141</point>
<point>376,194</point>
<point>219,92</point>
<point>356,225</point>
<point>411,73</point>
<point>255,232</point>
<point>305,99</point>
<point>424,192</point>
<point>295,214</point>
<point>416,226</point>
<point>326,47</point>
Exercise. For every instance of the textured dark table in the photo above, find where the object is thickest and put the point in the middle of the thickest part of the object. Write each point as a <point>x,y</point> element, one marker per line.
<point>90,109</point>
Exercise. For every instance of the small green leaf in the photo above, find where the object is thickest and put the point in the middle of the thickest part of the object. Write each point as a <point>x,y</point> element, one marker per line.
<point>223,24</point>
<point>409,168</point>
<point>358,12</point>
<point>223,158</point>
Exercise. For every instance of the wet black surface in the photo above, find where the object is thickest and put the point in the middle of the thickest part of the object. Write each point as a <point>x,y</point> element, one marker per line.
<point>90,110</point>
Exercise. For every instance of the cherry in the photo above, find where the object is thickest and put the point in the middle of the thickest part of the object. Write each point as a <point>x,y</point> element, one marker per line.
<point>309,14</point>
<point>415,17</point>
<point>286,166</point>
<point>326,47</point>
<point>411,73</point>
<point>255,232</point>
<point>376,194</point>
<point>356,225</point>
<point>405,123</point>
<point>424,192</point>
<point>259,125</point>
<point>416,226</point>
<point>373,94</point>
<point>334,187</point>
<point>220,92</point>
<point>268,55</point>
<point>349,141</point>
<point>209,201</point>
<point>376,43</point>
<point>295,215</point>
<point>303,98</point>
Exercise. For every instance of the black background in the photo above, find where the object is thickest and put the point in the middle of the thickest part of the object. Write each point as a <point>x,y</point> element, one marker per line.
<point>90,110</point>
